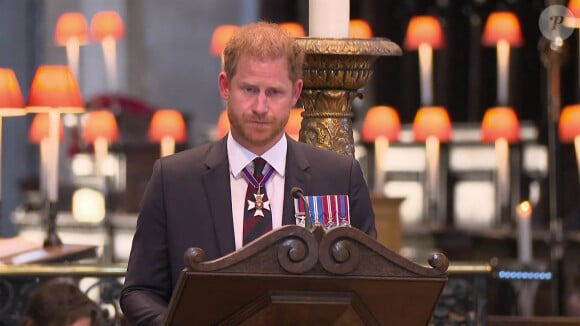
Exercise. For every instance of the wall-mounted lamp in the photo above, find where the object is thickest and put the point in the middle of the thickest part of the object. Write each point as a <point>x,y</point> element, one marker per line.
<point>220,37</point>
<point>107,27</point>
<point>100,129</point>
<point>294,29</point>
<point>432,125</point>
<point>380,126</point>
<point>424,34</point>
<point>54,91</point>
<point>503,30</point>
<point>294,123</point>
<point>72,31</point>
<point>167,127</point>
<point>501,126</point>
<point>11,104</point>
<point>38,134</point>
<point>569,129</point>
<point>223,125</point>
<point>359,28</point>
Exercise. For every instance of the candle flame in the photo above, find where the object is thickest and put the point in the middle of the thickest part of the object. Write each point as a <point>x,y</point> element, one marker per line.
<point>524,209</point>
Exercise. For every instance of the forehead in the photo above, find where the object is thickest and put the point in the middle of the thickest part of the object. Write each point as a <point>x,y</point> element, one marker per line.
<point>253,67</point>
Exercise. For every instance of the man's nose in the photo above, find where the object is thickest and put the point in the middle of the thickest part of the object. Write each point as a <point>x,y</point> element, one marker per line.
<point>262,103</point>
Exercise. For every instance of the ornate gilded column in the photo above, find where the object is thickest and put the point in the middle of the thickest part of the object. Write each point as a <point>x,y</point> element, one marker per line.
<point>334,72</point>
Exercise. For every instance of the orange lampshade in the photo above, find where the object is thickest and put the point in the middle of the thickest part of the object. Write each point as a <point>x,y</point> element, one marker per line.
<point>432,121</point>
<point>11,102</point>
<point>54,88</point>
<point>574,7</point>
<point>500,122</point>
<point>294,122</point>
<point>71,25</point>
<point>223,125</point>
<point>502,25</point>
<point>424,29</point>
<point>569,126</point>
<point>221,36</point>
<point>381,120</point>
<point>107,23</point>
<point>100,123</point>
<point>359,28</point>
<point>39,129</point>
<point>167,123</point>
<point>294,29</point>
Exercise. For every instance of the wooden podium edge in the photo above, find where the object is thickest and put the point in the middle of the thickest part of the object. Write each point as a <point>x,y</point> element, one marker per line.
<point>299,250</point>
<point>287,257</point>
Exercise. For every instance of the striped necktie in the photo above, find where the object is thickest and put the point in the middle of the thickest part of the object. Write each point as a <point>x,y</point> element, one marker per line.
<point>257,213</point>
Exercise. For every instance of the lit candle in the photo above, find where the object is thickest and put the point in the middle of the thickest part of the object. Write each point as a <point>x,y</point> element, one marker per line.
<point>328,18</point>
<point>524,213</point>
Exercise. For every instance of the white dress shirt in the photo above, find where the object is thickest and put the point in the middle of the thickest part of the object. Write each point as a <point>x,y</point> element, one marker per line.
<point>239,158</point>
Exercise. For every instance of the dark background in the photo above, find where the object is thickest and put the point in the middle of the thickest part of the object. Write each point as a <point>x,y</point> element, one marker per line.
<point>464,70</point>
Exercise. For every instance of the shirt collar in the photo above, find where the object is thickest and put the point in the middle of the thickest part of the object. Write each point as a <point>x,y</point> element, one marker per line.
<point>239,157</point>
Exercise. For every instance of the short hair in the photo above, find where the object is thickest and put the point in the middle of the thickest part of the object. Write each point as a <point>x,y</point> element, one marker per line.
<point>58,302</point>
<point>263,40</point>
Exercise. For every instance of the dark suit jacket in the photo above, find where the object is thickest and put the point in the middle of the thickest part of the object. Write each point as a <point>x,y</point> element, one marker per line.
<point>187,204</point>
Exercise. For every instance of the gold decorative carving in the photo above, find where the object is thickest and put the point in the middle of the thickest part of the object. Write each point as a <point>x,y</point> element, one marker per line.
<point>334,72</point>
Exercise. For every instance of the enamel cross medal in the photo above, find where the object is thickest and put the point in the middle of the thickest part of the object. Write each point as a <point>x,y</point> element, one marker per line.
<point>258,203</point>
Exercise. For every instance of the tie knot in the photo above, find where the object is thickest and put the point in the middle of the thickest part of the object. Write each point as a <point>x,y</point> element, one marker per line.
<point>259,164</point>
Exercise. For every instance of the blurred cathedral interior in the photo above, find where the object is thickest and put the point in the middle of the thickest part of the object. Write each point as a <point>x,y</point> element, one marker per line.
<point>468,137</point>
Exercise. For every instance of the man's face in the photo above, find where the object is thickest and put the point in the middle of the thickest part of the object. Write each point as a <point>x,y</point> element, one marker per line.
<point>259,97</point>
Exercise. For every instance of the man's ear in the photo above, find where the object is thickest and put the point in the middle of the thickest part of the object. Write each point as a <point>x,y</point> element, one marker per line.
<point>224,85</point>
<point>297,90</point>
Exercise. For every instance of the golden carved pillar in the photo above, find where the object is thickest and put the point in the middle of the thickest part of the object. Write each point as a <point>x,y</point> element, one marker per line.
<point>334,72</point>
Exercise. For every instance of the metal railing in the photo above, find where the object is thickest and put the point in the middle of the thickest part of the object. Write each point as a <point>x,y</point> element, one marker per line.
<point>102,283</point>
<point>463,301</point>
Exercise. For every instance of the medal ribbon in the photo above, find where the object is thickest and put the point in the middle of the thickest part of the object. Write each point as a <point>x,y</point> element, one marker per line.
<point>251,180</point>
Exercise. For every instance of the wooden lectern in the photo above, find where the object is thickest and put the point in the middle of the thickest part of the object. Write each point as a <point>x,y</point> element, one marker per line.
<point>293,276</point>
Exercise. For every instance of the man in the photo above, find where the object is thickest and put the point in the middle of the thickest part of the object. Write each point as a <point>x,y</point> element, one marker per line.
<point>197,198</point>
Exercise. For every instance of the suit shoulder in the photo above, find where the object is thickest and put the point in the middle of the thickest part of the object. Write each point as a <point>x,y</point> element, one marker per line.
<point>191,156</point>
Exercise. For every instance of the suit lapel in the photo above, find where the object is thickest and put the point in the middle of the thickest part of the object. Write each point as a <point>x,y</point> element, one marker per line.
<point>219,196</point>
<point>297,175</point>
